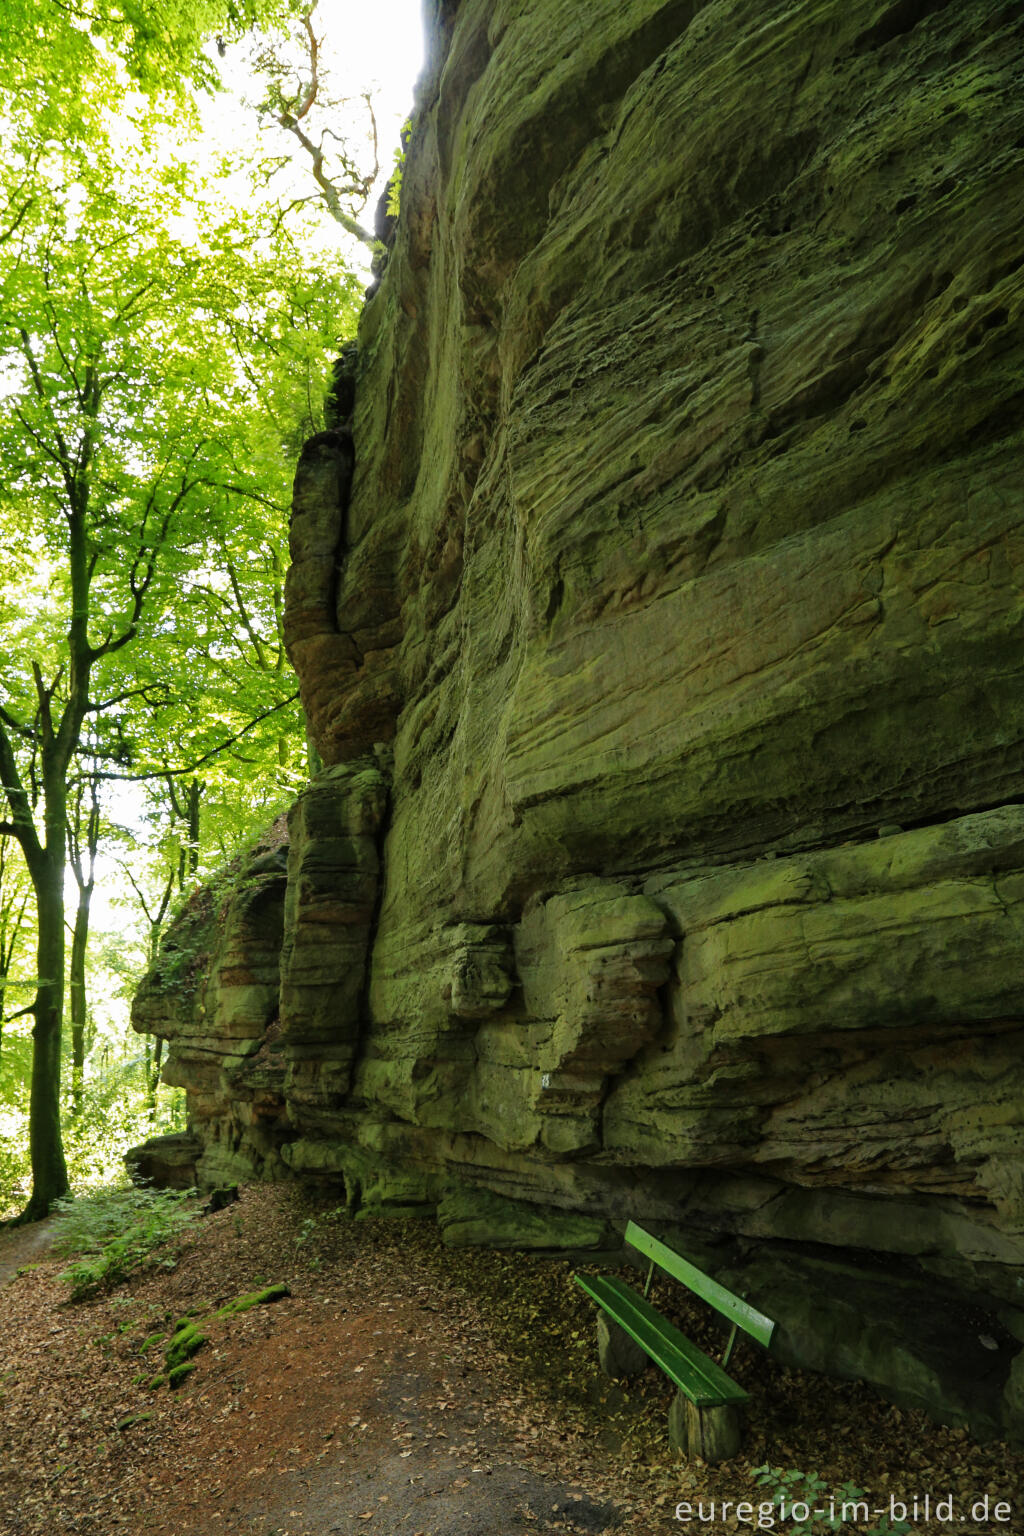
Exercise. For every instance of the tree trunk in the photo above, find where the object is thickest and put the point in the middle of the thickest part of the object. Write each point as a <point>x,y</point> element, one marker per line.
<point>188,808</point>
<point>49,1170</point>
<point>195,791</point>
<point>79,997</point>
<point>153,1055</point>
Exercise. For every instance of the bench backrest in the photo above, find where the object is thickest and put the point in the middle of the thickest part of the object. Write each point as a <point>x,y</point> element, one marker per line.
<point>739,1312</point>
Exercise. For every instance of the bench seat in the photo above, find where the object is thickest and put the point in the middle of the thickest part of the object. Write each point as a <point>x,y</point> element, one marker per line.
<point>693,1372</point>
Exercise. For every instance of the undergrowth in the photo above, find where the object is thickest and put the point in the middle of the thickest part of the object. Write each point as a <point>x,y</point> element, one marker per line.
<point>115,1231</point>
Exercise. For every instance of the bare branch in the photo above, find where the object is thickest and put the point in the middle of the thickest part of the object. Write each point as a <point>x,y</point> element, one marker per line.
<point>290,117</point>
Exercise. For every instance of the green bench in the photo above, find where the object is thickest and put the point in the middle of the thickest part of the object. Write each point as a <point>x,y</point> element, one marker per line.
<point>705,1419</point>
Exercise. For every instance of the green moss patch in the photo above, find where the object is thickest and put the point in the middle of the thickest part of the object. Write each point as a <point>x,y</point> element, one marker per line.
<point>133,1418</point>
<point>188,1339</point>
<point>185,1342</point>
<point>253,1299</point>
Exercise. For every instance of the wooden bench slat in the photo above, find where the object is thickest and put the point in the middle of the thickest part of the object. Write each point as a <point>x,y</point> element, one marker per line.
<point>704,1382</point>
<point>731,1306</point>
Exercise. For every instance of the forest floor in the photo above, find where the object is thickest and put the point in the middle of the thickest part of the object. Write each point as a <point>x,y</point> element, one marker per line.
<point>405,1389</point>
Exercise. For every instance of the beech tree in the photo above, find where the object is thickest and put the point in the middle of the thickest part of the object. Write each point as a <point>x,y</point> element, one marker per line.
<point>126,311</point>
<point>96,505</point>
<point>160,362</point>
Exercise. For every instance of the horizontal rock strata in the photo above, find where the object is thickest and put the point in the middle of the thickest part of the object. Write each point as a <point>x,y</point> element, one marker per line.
<point>658,609</point>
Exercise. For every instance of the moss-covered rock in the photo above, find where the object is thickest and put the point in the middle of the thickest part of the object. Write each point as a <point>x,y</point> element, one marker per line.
<point>186,1341</point>
<point>252,1299</point>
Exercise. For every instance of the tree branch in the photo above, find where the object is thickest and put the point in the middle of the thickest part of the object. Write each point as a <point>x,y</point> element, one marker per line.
<point>64,458</point>
<point>10,1017</point>
<point>143,691</point>
<point>164,772</point>
<point>9,232</point>
<point>290,117</point>
<point>21,826</point>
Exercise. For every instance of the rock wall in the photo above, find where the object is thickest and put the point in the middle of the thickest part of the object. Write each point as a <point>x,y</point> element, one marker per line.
<point>656,600</point>
<point>213,995</point>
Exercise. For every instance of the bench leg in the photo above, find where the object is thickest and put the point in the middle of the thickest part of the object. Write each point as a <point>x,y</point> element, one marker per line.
<point>618,1353</point>
<point>713,1434</point>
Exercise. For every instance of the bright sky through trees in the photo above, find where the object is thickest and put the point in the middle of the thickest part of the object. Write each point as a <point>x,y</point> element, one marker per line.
<point>378,48</point>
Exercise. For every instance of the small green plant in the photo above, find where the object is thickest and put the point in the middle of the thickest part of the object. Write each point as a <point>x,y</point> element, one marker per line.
<point>804,1500</point>
<point>316,1226</point>
<point>394,206</point>
<point>305,1231</point>
<point>114,1231</point>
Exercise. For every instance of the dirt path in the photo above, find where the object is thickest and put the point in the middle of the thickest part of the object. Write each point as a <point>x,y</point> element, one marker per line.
<point>332,1416</point>
<point>23,1245</point>
<point>400,1389</point>
<point>400,1476</point>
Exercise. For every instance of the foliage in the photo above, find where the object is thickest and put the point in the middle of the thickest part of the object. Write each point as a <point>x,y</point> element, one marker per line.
<point>14,901</point>
<point>195,918</point>
<point>15,1168</point>
<point>170,356</point>
<point>115,1231</point>
<point>825,1511</point>
<point>58,58</point>
<point>394,203</point>
<point>117,1110</point>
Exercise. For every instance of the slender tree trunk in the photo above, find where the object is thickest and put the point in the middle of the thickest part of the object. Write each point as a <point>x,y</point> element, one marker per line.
<point>83,835</point>
<point>153,1055</point>
<point>49,1170</point>
<point>188,810</point>
<point>12,915</point>
<point>195,791</point>
<point>79,996</point>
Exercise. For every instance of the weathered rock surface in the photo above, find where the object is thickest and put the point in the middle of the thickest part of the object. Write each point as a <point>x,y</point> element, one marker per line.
<point>658,612</point>
<point>166,1162</point>
<point>213,995</point>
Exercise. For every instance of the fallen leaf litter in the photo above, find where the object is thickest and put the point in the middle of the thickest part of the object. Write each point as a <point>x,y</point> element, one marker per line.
<point>399,1380</point>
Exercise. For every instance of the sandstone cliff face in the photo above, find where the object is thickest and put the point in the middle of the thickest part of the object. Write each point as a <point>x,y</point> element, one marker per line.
<point>658,617</point>
<point>213,995</point>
